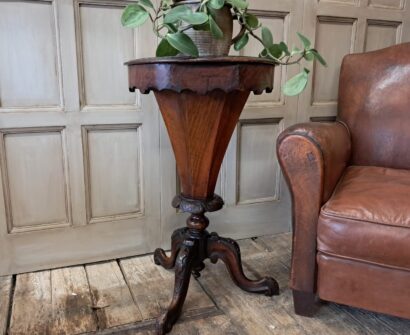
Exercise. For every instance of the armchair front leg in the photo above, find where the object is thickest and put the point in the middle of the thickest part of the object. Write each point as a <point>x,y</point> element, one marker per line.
<point>313,157</point>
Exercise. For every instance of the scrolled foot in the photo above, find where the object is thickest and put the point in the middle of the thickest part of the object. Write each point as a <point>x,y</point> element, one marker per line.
<point>183,269</point>
<point>228,251</point>
<point>161,258</point>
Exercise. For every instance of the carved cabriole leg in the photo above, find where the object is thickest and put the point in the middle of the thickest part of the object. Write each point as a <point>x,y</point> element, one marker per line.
<point>183,268</point>
<point>228,251</point>
<point>160,257</point>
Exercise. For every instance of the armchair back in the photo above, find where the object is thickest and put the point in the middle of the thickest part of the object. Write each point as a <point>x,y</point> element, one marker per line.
<point>374,102</point>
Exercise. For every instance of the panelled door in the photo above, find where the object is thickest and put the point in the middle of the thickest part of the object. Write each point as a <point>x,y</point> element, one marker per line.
<point>340,27</point>
<point>256,199</point>
<point>79,153</point>
<point>87,170</point>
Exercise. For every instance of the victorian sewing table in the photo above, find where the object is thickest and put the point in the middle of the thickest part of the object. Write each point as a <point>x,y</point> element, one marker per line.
<point>201,100</point>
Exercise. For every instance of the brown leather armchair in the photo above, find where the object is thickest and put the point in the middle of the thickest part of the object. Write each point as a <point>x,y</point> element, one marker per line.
<point>350,186</point>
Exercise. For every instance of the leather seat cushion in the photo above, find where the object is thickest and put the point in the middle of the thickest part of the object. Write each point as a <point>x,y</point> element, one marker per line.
<point>368,217</point>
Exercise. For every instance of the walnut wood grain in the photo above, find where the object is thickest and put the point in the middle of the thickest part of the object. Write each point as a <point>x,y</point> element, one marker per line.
<point>201,101</point>
<point>201,75</point>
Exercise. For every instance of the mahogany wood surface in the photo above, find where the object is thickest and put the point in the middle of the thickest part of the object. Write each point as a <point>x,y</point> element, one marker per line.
<point>201,100</point>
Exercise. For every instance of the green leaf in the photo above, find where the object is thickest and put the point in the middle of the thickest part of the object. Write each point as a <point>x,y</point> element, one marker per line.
<point>267,37</point>
<point>252,21</point>
<point>166,4</point>
<point>297,84</point>
<point>165,49</point>
<point>146,3</point>
<point>318,57</point>
<point>242,42</point>
<point>134,16</point>
<point>275,50</point>
<point>309,56</point>
<point>215,30</point>
<point>195,18</point>
<point>183,43</point>
<point>216,4</point>
<point>171,28</point>
<point>284,48</point>
<point>306,42</point>
<point>240,4</point>
<point>264,54</point>
<point>176,13</point>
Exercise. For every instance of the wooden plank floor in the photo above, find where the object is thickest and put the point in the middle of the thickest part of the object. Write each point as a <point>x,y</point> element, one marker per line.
<point>124,297</point>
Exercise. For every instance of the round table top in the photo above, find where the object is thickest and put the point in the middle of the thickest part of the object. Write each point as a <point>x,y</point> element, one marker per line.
<point>201,75</point>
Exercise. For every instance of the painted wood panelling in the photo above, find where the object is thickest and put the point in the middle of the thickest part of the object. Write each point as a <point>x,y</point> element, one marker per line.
<point>29,57</point>
<point>343,2</point>
<point>381,34</point>
<point>79,152</point>
<point>114,179</point>
<point>397,4</point>
<point>258,172</point>
<point>105,45</point>
<point>338,28</point>
<point>326,79</point>
<point>35,179</point>
<point>87,170</point>
<point>278,23</point>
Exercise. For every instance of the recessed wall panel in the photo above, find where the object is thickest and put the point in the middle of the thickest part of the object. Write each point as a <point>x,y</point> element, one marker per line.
<point>113,171</point>
<point>105,46</point>
<point>29,65</point>
<point>34,175</point>
<point>257,163</point>
<point>381,34</point>
<point>394,4</point>
<point>326,79</point>
<point>341,2</point>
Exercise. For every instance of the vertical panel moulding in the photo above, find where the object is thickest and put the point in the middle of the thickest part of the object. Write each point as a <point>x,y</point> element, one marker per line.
<point>279,124</point>
<point>86,105</point>
<point>381,27</point>
<point>280,71</point>
<point>54,103</point>
<point>352,22</point>
<point>387,4</point>
<point>58,47</point>
<point>111,214</point>
<point>6,185</point>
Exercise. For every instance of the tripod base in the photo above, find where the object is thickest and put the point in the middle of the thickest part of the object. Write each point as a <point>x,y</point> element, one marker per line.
<point>190,247</point>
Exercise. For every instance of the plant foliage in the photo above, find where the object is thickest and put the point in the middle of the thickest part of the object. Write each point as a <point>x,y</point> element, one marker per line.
<point>170,23</point>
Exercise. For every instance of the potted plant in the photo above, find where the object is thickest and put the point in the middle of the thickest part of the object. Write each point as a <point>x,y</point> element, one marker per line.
<point>200,28</point>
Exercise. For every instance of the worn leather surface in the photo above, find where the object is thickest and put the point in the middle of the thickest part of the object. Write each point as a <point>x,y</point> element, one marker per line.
<point>374,101</point>
<point>364,285</point>
<point>363,234</point>
<point>368,217</point>
<point>313,157</point>
<point>333,141</point>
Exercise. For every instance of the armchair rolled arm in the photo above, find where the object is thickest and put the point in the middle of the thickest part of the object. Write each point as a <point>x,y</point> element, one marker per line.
<point>313,157</point>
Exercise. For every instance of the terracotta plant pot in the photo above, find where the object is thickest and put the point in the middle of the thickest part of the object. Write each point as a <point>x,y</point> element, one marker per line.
<point>206,43</point>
